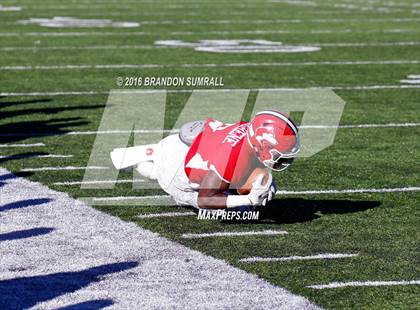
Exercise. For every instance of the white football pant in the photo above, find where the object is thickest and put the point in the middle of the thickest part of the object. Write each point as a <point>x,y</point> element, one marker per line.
<point>167,167</point>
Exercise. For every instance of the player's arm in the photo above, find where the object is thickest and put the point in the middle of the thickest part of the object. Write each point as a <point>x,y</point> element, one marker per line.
<point>212,193</point>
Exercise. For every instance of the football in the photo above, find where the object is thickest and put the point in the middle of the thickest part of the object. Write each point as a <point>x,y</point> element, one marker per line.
<point>245,188</point>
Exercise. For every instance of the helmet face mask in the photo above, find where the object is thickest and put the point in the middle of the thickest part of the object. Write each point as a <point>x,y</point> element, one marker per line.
<point>275,139</point>
<point>279,161</point>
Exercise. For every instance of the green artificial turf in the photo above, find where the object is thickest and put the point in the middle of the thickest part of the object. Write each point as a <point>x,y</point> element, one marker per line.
<point>381,227</point>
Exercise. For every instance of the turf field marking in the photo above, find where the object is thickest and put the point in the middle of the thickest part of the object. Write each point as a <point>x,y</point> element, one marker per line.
<point>150,46</point>
<point>10,8</point>
<point>296,2</point>
<point>22,145</point>
<point>101,132</point>
<point>235,234</point>
<point>364,44</point>
<point>367,283</point>
<point>35,156</point>
<point>63,168</point>
<point>276,21</point>
<point>121,198</point>
<point>211,65</point>
<point>84,93</point>
<point>61,22</point>
<point>350,191</point>
<point>88,258</point>
<point>290,258</point>
<point>98,182</point>
<point>412,81</point>
<point>192,33</point>
<point>167,200</point>
<point>165,214</point>
<point>173,131</point>
<point>390,125</point>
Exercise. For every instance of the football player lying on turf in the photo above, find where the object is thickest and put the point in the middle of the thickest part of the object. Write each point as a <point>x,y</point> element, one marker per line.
<point>214,165</point>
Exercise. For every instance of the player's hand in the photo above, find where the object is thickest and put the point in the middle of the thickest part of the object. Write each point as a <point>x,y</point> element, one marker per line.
<point>271,193</point>
<point>261,193</point>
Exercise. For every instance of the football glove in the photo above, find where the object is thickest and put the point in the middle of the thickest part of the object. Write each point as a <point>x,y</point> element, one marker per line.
<point>261,193</point>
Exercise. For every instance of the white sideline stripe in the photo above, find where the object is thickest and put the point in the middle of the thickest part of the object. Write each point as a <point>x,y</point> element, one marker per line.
<point>413,76</point>
<point>99,182</point>
<point>165,214</point>
<point>22,145</point>
<point>83,93</point>
<point>195,33</point>
<point>413,81</point>
<point>367,283</point>
<point>350,191</point>
<point>235,234</point>
<point>211,65</point>
<point>164,267</point>
<point>63,168</point>
<point>36,156</point>
<point>173,131</point>
<point>145,46</point>
<point>289,258</point>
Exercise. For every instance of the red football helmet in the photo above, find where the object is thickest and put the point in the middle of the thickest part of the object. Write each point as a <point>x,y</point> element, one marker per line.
<point>275,138</point>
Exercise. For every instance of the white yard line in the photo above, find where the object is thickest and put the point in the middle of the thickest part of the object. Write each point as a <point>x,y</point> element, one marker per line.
<point>165,214</point>
<point>194,33</point>
<point>98,182</point>
<point>362,44</point>
<point>411,81</point>
<point>151,46</point>
<point>59,93</point>
<point>87,255</point>
<point>351,191</point>
<point>22,145</point>
<point>106,132</point>
<point>235,234</point>
<point>278,21</point>
<point>210,65</point>
<point>291,258</point>
<point>10,8</point>
<point>361,283</point>
<point>36,156</point>
<point>413,76</point>
<point>167,200</point>
<point>275,21</point>
<point>86,93</point>
<point>63,168</point>
<point>133,201</point>
<point>352,126</point>
<point>173,131</point>
<point>122,198</point>
<point>272,21</point>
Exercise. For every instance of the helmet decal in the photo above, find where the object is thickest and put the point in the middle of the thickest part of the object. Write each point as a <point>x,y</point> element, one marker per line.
<point>268,136</point>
